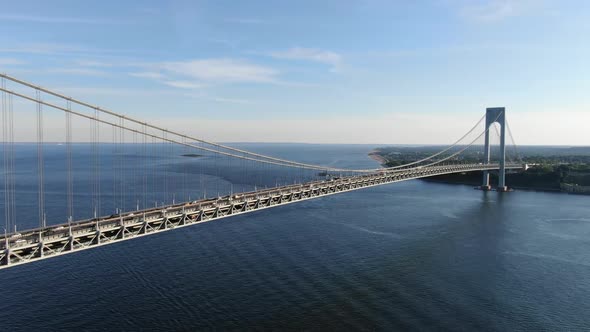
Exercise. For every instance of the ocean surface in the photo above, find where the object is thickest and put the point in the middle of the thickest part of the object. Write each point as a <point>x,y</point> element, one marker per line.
<point>406,256</point>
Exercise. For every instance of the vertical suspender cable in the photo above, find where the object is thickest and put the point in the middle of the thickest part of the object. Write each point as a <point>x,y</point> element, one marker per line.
<point>144,166</point>
<point>229,175</point>
<point>96,143</point>
<point>134,169</point>
<point>8,152</point>
<point>153,172</point>
<point>121,164</point>
<point>217,172</point>
<point>184,170</point>
<point>5,159</point>
<point>114,167</point>
<point>244,175</point>
<point>169,173</point>
<point>94,202</point>
<point>98,165</point>
<point>93,167</point>
<point>201,175</point>
<point>166,167</point>
<point>514,146</point>
<point>11,161</point>
<point>40,162</point>
<point>70,184</point>
<point>172,184</point>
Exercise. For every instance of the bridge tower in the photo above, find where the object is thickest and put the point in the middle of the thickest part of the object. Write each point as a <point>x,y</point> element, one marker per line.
<point>495,114</point>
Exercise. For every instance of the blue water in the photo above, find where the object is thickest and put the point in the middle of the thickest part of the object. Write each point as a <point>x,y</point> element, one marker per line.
<point>411,255</point>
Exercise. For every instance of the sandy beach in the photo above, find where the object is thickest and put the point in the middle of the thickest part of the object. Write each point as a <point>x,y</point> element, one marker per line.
<point>376,156</point>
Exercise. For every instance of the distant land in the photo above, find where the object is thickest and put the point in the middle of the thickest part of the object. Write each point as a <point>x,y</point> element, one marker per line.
<point>556,168</point>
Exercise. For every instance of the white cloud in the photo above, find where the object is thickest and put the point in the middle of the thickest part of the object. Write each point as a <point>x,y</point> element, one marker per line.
<point>54,49</point>
<point>183,84</point>
<point>497,10</point>
<point>57,20</point>
<point>245,20</point>
<point>230,100</point>
<point>221,70</point>
<point>42,48</point>
<point>93,63</point>
<point>50,70</point>
<point>309,54</point>
<point>199,73</point>
<point>78,71</point>
<point>148,74</point>
<point>175,83</point>
<point>106,91</point>
<point>10,62</point>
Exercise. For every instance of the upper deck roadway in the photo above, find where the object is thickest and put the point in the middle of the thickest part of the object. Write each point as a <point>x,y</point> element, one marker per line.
<point>36,244</point>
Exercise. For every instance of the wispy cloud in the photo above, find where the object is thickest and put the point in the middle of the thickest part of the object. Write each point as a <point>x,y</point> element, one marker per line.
<point>58,20</point>
<point>75,50</point>
<point>497,10</point>
<point>224,42</point>
<point>231,100</point>
<point>183,84</point>
<point>200,73</point>
<point>221,70</point>
<point>450,49</point>
<point>201,95</point>
<point>60,71</point>
<point>148,74</point>
<point>42,48</point>
<point>241,20</point>
<point>78,71</point>
<point>109,91</point>
<point>309,54</point>
<point>10,62</point>
<point>93,63</point>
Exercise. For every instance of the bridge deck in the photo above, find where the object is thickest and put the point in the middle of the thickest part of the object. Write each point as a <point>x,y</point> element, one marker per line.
<point>36,244</point>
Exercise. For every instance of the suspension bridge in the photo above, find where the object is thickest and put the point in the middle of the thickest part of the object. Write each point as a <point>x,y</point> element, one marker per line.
<point>77,176</point>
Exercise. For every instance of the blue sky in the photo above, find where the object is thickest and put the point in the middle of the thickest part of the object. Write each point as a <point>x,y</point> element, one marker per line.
<point>371,71</point>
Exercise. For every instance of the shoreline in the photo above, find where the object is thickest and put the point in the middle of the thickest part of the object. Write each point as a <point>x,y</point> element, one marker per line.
<point>543,190</point>
<point>551,190</point>
<point>377,157</point>
<point>374,154</point>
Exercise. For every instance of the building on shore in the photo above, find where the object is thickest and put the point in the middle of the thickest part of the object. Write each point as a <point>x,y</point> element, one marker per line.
<point>575,189</point>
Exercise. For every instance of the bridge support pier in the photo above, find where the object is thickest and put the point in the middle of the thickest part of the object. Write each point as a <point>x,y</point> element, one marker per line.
<point>41,245</point>
<point>495,114</point>
<point>7,256</point>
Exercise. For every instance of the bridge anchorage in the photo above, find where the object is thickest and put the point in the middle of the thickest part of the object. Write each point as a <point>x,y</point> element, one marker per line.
<point>121,178</point>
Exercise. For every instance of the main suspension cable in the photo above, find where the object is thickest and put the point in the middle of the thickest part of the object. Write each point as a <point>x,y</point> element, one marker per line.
<point>217,148</point>
<point>465,148</point>
<point>252,156</point>
<point>440,152</point>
